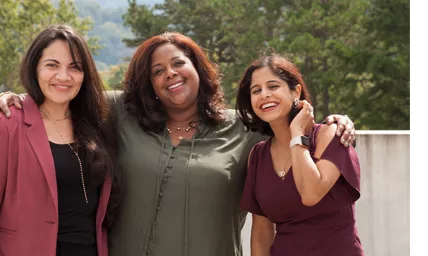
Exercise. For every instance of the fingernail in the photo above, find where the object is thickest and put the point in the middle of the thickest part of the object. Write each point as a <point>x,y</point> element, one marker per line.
<point>343,140</point>
<point>346,144</point>
<point>19,105</point>
<point>7,114</point>
<point>329,120</point>
<point>338,133</point>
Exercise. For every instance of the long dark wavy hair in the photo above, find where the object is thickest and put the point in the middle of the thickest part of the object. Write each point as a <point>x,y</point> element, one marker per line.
<point>89,109</point>
<point>139,96</point>
<point>286,71</point>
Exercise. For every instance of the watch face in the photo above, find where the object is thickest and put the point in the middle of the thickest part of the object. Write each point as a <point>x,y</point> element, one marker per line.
<point>305,141</point>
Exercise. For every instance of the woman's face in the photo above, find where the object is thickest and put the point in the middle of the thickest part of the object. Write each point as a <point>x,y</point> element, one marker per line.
<point>174,78</point>
<point>271,98</point>
<point>58,76</point>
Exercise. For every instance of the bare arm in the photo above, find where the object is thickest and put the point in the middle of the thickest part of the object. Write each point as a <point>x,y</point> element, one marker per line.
<point>313,181</point>
<point>262,235</point>
<point>9,98</point>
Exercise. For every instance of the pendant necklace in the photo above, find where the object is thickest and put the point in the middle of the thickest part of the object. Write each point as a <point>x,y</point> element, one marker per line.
<point>72,149</point>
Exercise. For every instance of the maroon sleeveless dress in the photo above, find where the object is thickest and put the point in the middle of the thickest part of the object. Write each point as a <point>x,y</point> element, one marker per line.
<point>325,229</point>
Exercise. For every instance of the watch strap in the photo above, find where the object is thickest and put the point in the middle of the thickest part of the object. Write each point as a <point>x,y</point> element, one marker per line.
<point>301,141</point>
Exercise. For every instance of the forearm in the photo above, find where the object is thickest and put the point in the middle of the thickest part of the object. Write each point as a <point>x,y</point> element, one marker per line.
<point>307,177</point>
<point>261,243</point>
<point>262,235</point>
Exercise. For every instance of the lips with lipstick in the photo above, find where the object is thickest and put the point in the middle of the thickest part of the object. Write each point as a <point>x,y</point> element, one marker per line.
<point>268,106</point>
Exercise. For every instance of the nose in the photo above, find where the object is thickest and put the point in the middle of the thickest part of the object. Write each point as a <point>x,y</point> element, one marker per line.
<point>171,73</point>
<point>63,75</point>
<point>265,94</point>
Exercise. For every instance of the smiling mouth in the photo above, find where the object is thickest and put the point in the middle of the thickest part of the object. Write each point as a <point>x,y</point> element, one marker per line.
<point>268,105</point>
<point>61,86</point>
<point>171,87</point>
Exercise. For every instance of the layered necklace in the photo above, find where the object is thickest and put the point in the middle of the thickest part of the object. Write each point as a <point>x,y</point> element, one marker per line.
<point>178,129</point>
<point>72,149</point>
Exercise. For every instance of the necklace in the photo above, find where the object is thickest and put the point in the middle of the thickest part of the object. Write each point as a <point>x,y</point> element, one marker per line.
<point>170,133</point>
<point>178,128</point>
<point>72,149</point>
<point>282,173</point>
<point>59,120</point>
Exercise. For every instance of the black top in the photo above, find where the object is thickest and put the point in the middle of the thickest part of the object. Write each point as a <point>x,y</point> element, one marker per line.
<point>76,218</point>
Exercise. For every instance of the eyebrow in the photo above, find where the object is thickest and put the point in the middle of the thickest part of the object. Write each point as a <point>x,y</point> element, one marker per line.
<point>270,81</point>
<point>54,60</point>
<point>173,58</point>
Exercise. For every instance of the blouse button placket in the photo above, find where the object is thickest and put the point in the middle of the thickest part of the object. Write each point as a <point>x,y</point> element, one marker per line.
<point>158,207</point>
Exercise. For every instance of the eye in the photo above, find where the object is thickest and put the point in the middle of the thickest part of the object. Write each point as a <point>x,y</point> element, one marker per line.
<point>76,67</point>
<point>51,65</point>
<point>256,91</point>
<point>157,72</point>
<point>273,86</point>
<point>178,63</point>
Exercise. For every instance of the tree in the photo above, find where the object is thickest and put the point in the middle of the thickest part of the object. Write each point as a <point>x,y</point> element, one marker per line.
<point>21,21</point>
<point>350,60</point>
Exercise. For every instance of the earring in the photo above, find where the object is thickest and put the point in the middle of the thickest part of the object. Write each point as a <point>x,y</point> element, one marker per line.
<point>295,103</point>
<point>157,97</point>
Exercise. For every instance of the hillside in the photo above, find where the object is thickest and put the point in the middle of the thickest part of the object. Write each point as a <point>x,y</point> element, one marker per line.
<point>108,25</point>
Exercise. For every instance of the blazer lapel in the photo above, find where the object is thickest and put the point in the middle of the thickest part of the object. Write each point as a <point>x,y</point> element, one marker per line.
<point>103,202</point>
<point>36,135</point>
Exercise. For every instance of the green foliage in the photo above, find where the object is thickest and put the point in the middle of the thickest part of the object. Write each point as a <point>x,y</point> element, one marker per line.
<point>117,74</point>
<point>21,21</point>
<point>354,54</point>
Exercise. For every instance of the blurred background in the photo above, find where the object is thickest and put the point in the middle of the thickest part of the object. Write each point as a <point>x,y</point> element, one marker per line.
<point>354,54</point>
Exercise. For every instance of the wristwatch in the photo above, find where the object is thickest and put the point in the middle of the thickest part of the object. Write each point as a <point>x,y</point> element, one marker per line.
<point>300,140</point>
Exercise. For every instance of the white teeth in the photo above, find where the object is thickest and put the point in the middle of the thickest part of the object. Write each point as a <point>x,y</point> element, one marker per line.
<point>268,105</point>
<point>175,85</point>
<point>62,86</point>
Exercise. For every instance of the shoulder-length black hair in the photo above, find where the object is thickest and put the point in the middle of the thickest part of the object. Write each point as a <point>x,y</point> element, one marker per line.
<point>89,109</point>
<point>140,99</point>
<point>286,71</point>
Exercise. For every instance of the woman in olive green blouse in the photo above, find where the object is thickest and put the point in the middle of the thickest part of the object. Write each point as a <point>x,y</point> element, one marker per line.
<point>183,155</point>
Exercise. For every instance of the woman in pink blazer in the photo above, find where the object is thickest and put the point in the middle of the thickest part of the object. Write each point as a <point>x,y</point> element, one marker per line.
<point>56,165</point>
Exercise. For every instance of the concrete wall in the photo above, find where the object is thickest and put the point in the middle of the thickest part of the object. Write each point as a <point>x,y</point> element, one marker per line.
<point>383,211</point>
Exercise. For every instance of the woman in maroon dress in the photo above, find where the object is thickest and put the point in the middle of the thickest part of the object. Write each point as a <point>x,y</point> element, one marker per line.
<point>302,184</point>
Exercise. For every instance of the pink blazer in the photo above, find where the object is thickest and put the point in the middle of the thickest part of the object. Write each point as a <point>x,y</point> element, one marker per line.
<point>28,189</point>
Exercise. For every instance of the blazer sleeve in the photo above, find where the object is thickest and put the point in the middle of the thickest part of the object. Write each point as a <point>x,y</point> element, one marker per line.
<point>4,152</point>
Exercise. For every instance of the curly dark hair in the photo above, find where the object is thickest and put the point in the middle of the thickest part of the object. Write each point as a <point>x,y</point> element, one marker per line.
<point>89,109</point>
<point>286,71</point>
<point>139,96</point>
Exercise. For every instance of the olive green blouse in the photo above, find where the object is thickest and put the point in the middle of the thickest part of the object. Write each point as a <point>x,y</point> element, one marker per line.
<point>181,200</point>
